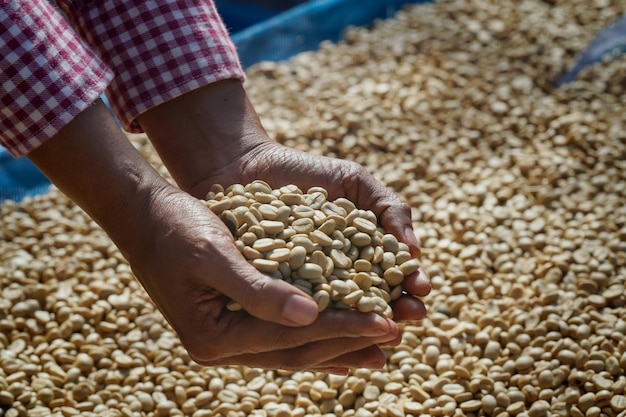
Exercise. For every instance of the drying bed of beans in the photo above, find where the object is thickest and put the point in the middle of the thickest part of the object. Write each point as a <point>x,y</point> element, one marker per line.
<point>518,193</point>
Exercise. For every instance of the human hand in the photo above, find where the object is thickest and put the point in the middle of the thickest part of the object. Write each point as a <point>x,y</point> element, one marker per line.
<point>279,165</point>
<point>219,140</point>
<point>190,266</point>
<point>187,261</point>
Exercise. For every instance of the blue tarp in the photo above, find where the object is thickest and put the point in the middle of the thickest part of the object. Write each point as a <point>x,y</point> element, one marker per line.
<point>19,178</point>
<point>274,30</point>
<point>608,43</point>
<point>303,27</point>
<point>241,14</point>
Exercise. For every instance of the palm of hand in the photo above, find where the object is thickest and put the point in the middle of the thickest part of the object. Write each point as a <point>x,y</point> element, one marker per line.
<point>279,165</point>
<point>197,263</point>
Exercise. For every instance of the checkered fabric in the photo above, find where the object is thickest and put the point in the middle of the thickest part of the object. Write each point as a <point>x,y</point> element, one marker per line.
<point>157,50</point>
<point>47,76</point>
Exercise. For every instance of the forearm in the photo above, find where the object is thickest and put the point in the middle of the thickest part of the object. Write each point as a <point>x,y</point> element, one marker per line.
<point>95,165</point>
<point>208,127</point>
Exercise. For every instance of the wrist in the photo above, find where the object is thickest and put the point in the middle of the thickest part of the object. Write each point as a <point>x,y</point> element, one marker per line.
<point>203,131</point>
<point>96,166</point>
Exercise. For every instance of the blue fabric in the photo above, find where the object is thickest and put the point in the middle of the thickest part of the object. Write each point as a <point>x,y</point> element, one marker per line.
<point>240,14</point>
<point>304,27</point>
<point>608,43</point>
<point>19,178</point>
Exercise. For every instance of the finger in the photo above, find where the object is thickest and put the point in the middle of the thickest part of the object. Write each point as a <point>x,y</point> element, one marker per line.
<point>333,371</point>
<point>396,219</point>
<point>332,353</point>
<point>393,342</point>
<point>242,334</point>
<point>371,357</point>
<point>260,295</point>
<point>408,308</point>
<point>417,284</point>
<point>332,324</point>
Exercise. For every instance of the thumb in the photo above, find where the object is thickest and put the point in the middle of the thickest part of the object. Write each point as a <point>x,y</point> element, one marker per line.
<point>266,297</point>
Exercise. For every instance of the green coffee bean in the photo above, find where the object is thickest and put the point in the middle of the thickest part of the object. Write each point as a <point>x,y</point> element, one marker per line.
<point>265,265</point>
<point>345,204</point>
<point>272,227</point>
<point>251,253</point>
<point>263,245</point>
<point>315,199</point>
<point>363,280</point>
<point>340,287</point>
<point>268,211</point>
<point>362,265</point>
<point>360,239</point>
<point>352,297</point>
<point>328,227</point>
<point>303,225</point>
<point>297,257</point>
<point>310,271</point>
<point>322,298</point>
<point>219,206</point>
<point>364,225</point>
<point>409,266</point>
<point>320,238</point>
<point>366,304</point>
<point>393,276</point>
<point>278,254</point>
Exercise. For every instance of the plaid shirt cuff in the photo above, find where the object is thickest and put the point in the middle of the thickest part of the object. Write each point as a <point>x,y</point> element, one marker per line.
<point>47,76</point>
<point>158,50</point>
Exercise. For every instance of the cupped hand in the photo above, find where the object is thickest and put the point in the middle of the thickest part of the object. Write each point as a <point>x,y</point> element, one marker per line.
<point>190,267</point>
<point>279,165</point>
<point>212,135</point>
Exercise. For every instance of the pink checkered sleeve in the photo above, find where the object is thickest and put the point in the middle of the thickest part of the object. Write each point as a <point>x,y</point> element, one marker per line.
<point>158,49</point>
<point>47,76</point>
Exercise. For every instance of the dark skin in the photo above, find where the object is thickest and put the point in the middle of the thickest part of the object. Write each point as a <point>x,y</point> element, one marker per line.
<point>185,257</point>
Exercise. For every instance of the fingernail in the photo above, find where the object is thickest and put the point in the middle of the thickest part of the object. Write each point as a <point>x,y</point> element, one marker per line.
<point>390,341</point>
<point>375,364</point>
<point>412,241</point>
<point>426,286</point>
<point>336,371</point>
<point>380,327</point>
<point>300,310</point>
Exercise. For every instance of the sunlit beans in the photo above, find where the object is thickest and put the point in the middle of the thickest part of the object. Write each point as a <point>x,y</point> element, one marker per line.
<point>320,240</point>
<point>517,193</point>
